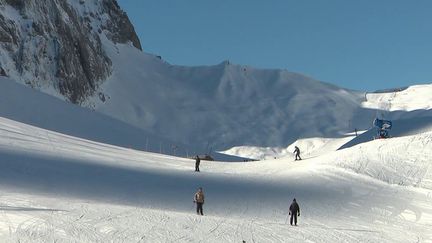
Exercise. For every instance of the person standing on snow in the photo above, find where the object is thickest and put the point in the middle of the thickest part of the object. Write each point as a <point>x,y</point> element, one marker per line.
<point>197,163</point>
<point>199,200</point>
<point>294,211</point>
<point>297,153</point>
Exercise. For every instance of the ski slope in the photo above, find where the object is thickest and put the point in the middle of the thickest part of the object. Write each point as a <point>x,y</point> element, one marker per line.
<point>409,109</point>
<point>59,188</point>
<point>21,103</point>
<point>409,99</point>
<point>310,147</point>
<point>220,105</point>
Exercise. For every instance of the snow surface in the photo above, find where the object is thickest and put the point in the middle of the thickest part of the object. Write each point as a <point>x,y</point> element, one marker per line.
<point>409,109</point>
<point>21,103</point>
<point>412,98</point>
<point>232,106</point>
<point>310,147</point>
<point>400,128</point>
<point>219,106</point>
<point>58,188</point>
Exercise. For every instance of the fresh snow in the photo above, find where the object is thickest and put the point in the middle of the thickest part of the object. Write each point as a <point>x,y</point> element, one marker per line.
<point>310,147</point>
<point>409,109</point>
<point>21,103</point>
<point>218,106</point>
<point>59,188</point>
<point>415,97</point>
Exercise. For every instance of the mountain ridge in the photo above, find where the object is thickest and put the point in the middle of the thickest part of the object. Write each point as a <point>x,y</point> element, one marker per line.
<point>55,46</point>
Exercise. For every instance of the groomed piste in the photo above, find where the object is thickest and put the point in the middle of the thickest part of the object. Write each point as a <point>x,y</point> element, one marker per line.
<point>56,187</point>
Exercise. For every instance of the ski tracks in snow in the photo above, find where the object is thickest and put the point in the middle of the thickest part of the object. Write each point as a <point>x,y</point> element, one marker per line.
<point>93,222</point>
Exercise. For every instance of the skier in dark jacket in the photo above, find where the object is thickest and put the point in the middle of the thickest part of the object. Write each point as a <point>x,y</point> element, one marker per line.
<point>199,200</point>
<point>197,163</point>
<point>294,211</point>
<point>297,153</point>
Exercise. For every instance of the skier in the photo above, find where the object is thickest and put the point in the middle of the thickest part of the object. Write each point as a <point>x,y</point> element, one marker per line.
<point>294,211</point>
<point>197,163</point>
<point>199,200</point>
<point>297,153</point>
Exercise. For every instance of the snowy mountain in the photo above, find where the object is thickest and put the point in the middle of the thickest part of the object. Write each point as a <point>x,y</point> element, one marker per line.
<point>87,52</point>
<point>56,46</point>
<point>226,104</point>
<point>409,109</point>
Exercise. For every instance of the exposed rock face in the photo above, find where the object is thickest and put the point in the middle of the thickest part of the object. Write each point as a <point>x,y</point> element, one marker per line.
<point>57,45</point>
<point>120,31</point>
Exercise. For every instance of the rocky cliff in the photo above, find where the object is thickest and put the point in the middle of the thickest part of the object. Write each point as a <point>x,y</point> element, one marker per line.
<point>57,46</point>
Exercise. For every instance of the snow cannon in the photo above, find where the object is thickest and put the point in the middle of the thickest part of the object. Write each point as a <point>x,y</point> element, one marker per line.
<point>383,127</point>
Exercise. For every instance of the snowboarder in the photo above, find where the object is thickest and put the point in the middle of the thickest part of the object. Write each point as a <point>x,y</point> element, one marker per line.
<point>294,211</point>
<point>197,163</point>
<point>199,200</point>
<point>297,153</point>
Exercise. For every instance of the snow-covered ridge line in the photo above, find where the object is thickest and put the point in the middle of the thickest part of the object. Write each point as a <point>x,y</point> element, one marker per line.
<point>229,105</point>
<point>415,97</point>
<point>224,105</point>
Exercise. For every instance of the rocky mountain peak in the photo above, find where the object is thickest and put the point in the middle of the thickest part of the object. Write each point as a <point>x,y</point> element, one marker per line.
<point>57,46</point>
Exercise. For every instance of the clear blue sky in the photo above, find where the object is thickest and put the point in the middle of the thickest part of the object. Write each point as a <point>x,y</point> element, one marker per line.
<point>357,44</point>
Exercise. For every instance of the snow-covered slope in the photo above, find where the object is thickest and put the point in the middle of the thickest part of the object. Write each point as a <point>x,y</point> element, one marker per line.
<point>310,147</point>
<point>88,53</point>
<point>415,97</point>
<point>403,127</point>
<point>26,105</point>
<point>402,161</point>
<point>409,109</point>
<point>59,188</point>
<point>230,105</point>
<point>224,105</point>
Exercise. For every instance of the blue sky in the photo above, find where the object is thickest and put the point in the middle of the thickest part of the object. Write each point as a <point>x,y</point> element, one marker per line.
<point>363,45</point>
